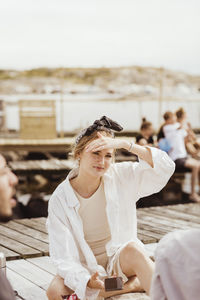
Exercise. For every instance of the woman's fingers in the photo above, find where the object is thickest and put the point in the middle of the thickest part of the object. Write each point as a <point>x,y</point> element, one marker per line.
<point>95,282</point>
<point>95,145</point>
<point>95,275</point>
<point>100,135</point>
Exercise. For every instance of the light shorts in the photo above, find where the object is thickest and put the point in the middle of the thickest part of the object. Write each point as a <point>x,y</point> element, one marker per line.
<point>116,268</point>
<point>113,266</point>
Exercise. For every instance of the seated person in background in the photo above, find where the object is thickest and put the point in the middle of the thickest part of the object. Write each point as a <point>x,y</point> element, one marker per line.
<point>177,267</point>
<point>175,135</point>
<point>163,143</point>
<point>145,137</point>
<point>192,144</point>
<point>8,180</point>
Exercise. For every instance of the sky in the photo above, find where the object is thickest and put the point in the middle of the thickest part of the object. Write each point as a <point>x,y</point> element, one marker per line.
<point>100,33</point>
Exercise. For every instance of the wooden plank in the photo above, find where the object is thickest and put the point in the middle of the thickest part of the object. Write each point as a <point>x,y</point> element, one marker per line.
<point>175,214</point>
<point>154,235</point>
<point>44,263</point>
<point>38,235</point>
<point>154,227</point>
<point>164,219</point>
<point>23,250</point>
<point>24,287</point>
<point>192,209</point>
<point>155,231</point>
<point>42,165</point>
<point>146,239</point>
<point>55,145</point>
<point>9,253</point>
<point>130,296</point>
<point>31,272</point>
<point>33,223</point>
<point>24,239</point>
<point>162,224</point>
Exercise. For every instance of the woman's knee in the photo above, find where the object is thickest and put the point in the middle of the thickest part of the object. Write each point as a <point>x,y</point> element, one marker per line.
<point>133,251</point>
<point>57,288</point>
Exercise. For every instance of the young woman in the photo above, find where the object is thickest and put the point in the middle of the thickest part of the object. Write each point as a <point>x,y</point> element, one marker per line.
<point>92,215</point>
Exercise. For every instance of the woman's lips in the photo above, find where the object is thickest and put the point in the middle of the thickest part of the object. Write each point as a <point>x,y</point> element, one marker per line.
<point>99,168</point>
<point>13,202</point>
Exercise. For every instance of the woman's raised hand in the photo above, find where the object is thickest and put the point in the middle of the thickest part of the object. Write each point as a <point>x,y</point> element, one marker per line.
<point>95,282</point>
<point>103,142</point>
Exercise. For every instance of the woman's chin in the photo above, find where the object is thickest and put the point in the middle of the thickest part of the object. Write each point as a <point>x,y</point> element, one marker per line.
<point>98,172</point>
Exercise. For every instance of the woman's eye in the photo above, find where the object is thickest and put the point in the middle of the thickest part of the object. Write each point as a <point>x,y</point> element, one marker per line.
<point>109,156</point>
<point>95,153</point>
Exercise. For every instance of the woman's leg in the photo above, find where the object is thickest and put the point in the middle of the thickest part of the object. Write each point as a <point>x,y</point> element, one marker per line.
<point>134,261</point>
<point>57,289</point>
<point>194,165</point>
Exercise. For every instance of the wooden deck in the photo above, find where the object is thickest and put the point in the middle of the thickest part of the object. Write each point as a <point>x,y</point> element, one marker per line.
<point>25,244</point>
<point>17,144</point>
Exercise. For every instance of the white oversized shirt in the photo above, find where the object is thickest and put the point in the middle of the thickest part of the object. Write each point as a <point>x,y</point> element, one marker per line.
<point>124,184</point>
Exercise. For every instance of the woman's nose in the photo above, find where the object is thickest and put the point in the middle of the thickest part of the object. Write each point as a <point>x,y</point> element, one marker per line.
<point>13,179</point>
<point>101,159</point>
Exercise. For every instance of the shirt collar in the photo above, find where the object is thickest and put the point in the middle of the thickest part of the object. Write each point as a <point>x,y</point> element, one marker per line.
<point>71,197</point>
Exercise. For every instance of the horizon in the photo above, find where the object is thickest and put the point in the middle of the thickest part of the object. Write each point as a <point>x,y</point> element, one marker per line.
<point>103,67</point>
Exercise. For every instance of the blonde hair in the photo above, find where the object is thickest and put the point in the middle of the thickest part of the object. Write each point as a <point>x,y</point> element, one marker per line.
<point>85,140</point>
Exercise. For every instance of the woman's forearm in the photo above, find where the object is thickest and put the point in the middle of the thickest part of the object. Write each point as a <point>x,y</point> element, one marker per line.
<point>141,151</point>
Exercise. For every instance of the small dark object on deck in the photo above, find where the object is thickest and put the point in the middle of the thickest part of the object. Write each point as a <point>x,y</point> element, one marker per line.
<point>113,284</point>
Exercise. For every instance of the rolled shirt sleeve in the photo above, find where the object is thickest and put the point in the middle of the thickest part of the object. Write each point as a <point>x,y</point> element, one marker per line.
<point>144,180</point>
<point>152,180</point>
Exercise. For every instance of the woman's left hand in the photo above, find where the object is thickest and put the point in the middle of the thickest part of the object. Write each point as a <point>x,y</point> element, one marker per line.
<point>102,143</point>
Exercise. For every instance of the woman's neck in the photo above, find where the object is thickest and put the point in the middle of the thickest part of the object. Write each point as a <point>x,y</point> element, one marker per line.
<point>85,185</point>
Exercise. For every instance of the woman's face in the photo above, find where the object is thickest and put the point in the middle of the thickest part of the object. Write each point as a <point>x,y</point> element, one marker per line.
<point>149,131</point>
<point>96,163</point>
<point>8,180</point>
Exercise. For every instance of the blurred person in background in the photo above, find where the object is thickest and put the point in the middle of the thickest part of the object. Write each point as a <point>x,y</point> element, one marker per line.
<point>8,181</point>
<point>145,137</point>
<point>92,221</point>
<point>162,142</point>
<point>176,134</point>
<point>191,142</point>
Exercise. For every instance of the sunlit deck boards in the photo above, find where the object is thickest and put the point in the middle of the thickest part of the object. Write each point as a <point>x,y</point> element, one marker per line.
<point>25,244</point>
<point>24,238</point>
<point>28,237</point>
<point>31,277</point>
